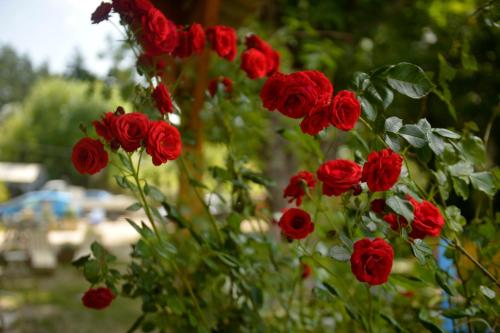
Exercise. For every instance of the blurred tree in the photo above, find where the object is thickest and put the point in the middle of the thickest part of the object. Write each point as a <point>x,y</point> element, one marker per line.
<point>77,70</point>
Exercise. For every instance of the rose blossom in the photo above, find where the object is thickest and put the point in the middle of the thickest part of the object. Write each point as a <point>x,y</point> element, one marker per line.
<point>428,220</point>
<point>296,187</point>
<point>272,57</point>
<point>254,63</point>
<point>101,13</point>
<point>104,127</point>
<point>130,130</point>
<point>316,121</point>
<point>377,205</point>
<point>338,176</point>
<point>345,111</point>
<point>89,156</point>
<point>98,298</point>
<point>382,170</point>
<point>191,41</point>
<point>223,41</point>
<point>214,84</point>
<point>162,99</point>
<point>296,223</point>
<point>163,142</point>
<point>371,261</point>
<point>159,34</point>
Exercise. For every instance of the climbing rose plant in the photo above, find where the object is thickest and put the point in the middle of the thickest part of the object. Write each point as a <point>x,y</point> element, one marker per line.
<point>355,215</point>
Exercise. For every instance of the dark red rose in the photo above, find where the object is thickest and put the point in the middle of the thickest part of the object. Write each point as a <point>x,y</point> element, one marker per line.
<point>226,82</point>
<point>162,99</point>
<point>159,34</point>
<point>163,142</point>
<point>345,111</point>
<point>272,57</point>
<point>377,205</point>
<point>223,41</point>
<point>371,261</point>
<point>296,223</point>
<point>130,130</point>
<point>101,13</point>
<point>306,271</point>
<point>382,170</point>
<point>191,41</point>
<point>428,220</point>
<point>131,10</point>
<point>98,298</point>
<point>316,121</point>
<point>356,190</point>
<point>254,63</point>
<point>151,64</point>
<point>104,128</point>
<point>395,221</point>
<point>270,93</point>
<point>89,156</point>
<point>296,95</point>
<point>297,185</point>
<point>338,176</point>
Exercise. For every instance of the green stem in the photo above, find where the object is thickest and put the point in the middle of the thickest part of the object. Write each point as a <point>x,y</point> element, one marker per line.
<point>477,263</point>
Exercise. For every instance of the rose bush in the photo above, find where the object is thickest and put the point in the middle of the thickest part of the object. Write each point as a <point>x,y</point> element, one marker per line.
<point>226,268</point>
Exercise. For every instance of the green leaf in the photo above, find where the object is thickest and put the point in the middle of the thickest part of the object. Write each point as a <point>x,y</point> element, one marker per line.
<point>484,182</point>
<point>121,181</point>
<point>81,261</point>
<point>455,221</point>
<point>462,168</point>
<point>421,250</point>
<point>457,313</point>
<point>393,141</point>
<point>91,271</point>
<point>330,288</point>
<point>154,193</point>
<point>428,321</point>
<point>436,144</point>
<point>126,162</point>
<point>393,322</point>
<point>339,253</point>
<point>400,207</point>
<point>487,292</point>
<point>409,80</point>
<point>461,186</point>
<point>414,135</point>
<point>446,133</point>
<point>393,124</point>
<point>368,110</point>
<point>134,207</point>
<point>442,281</point>
<point>473,149</point>
<point>361,81</point>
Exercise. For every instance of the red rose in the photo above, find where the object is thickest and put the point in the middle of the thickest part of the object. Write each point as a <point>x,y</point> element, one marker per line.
<point>297,185</point>
<point>382,170</point>
<point>131,10</point>
<point>162,99</point>
<point>428,220</point>
<point>104,127</point>
<point>345,111</point>
<point>306,271</point>
<point>298,94</point>
<point>272,57</point>
<point>338,176</point>
<point>151,64</point>
<point>371,261</point>
<point>377,205</point>
<point>270,93</point>
<point>89,156</point>
<point>191,41</point>
<point>158,35</point>
<point>395,221</point>
<point>101,13</point>
<point>130,130</point>
<point>98,298</point>
<point>316,121</point>
<point>254,63</point>
<point>163,142</point>
<point>296,223</point>
<point>223,41</point>
<point>214,84</point>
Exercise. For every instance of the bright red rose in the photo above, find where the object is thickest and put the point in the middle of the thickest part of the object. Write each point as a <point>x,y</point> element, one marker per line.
<point>191,41</point>
<point>316,121</point>
<point>324,87</point>
<point>104,128</point>
<point>306,271</point>
<point>163,142</point>
<point>297,185</point>
<point>162,99</point>
<point>101,13</point>
<point>377,205</point>
<point>254,63</point>
<point>428,220</point>
<point>130,130</point>
<point>345,111</point>
<point>395,221</point>
<point>226,82</point>
<point>98,298</point>
<point>272,57</point>
<point>382,170</point>
<point>159,34</point>
<point>296,223</point>
<point>338,176</point>
<point>270,93</point>
<point>371,261</point>
<point>89,156</point>
<point>223,41</point>
<point>152,64</point>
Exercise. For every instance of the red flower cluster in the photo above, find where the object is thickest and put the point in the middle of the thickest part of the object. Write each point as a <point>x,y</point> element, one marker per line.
<point>382,170</point>
<point>371,261</point>
<point>226,82</point>
<point>191,41</point>
<point>223,41</point>
<point>259,59</point>
<point>98,298</point>
<point>308,95</point>
<point>296,223</point>
<point>297,186</point>
<point>339,176</point>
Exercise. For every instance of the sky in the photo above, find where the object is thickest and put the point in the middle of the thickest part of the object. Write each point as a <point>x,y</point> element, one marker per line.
<point>52,30</point>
